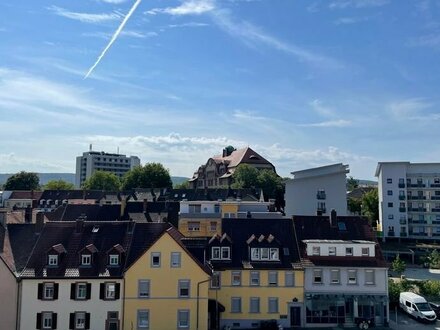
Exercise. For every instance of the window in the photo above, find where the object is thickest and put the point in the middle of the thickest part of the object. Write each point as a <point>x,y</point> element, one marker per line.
<point>86,260</point>
<point>254,305</point>
<point>144,289</point>
<point>80,320</point>
<point>274,254</point>
<point>273,278</point>
<point>114,260</point>
<point>215,252</point>
<point>272,305</point>
<point>390,204</point>
<point>316,250</point>
<point>215,280</point>
<point>236,278</point>
<point>255,279</point>
<point>216,208</point>
<point>155,259</point>
<point>53,260</point>
<point>348,251</point>
<point>369,276</point>
<point>332,250</point>
<point>81,291</point>
<point>255,254</point>
<point>289,279</point>
<point>47,291</point>
<point>352,276</point>
<point>389,180</point>
<point>110,291</point>
<point>317,276</point>
<point>264,254</point>
<point>389,192</point>
<point>390,216</point>
<point>143,318</point>
<point>183,319</point>
<point>365,252</point>
<point>226,253</point>
<point>47,320</point>
<point>175,259</point>
<point>183,289</point>
<point>334,276</point>
<point>235,305</point>
<point>195,208</point>
<point>213,226</point>
<point>194,226</point>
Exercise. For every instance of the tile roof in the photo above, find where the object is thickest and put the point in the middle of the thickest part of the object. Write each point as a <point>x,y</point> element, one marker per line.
<point>61,195</point>
<point>348,228</point>
<point>73,238</point>
<point>241,156</point>
<point>89,212</point>
<point>25,194</point>
<point>239,231</point>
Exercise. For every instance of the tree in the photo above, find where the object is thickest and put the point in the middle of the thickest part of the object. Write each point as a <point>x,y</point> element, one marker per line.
<point>151,175</point>
<point>429,288</point>
<point>370,206</point>
<point>433,259</point>
<point>354,205</point>
<point>352,183</point>
<point>270,182</point>
<point>398,265</point>
<point>101,180</point>
<point>182,185</point>
<point>245,176</point>
<point>23,181</point>
<point>58,185</point>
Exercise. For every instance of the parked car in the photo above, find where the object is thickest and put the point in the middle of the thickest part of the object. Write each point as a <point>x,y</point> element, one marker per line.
<point>436,308</point>
<point>416,306</point>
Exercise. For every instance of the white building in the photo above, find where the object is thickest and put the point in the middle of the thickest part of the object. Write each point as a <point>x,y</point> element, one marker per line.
<point>409,200</point>
<point>92,161</point>
<point>317,190</point>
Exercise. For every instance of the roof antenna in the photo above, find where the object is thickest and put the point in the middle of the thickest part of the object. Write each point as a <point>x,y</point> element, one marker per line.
<point>90,147</point>
<point>118,151</point>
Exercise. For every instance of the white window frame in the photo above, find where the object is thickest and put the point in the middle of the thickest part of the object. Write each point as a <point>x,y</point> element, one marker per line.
<point>46,316</point>
<point>86,259</point>
<point>215,280</point>
<point>349,251</point>
<point>184,285</point>
<point>332,250</point>
<point>289,279</point>
<point>274,254</point>
<point>272,305</point>
<point>53,260</point>
<point>144,284</point>
<point>352,276</point>
<point>153,263</point>
<point>254,305</point>
<point>180,321</point>
<point>264,254</point>
<point>215,253</point>
<point>225,253</point>
<point>176,259</point>
<point>81,287</point>
<point>143,318</point>
<point>236,278</point>
<point>272,278</point>
<point>370,271</point>
<point>80,320</point>
<point>235,304</point>
<point>335,276</point>
<point>255,254</point>
<point>110,290</point>
<point>316,250</point>
<point>365,251</point>
<point>254,276</point>
<point>114,260</point>
<point>48,287</point>
<point>316,272</point>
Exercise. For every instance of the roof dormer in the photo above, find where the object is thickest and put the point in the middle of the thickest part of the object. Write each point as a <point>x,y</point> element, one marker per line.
<point>86,255</point>
<point>115,255</point>
<point>263,248</point>
<point>54,255</point>
<point>220,247</point>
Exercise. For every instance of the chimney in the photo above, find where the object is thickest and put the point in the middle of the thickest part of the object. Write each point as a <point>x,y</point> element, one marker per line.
<point>123,206</point>
<point>28,214</point>
<point>3,215</point>
<point>79,225</point>
<point>224,153</point>
<point>39,222</point>
<point>333,217</point>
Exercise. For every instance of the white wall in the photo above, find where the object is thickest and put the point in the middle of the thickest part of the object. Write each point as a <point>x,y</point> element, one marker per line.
<point>301,192</point>
<point>63,306</point>
<point>340,248</point>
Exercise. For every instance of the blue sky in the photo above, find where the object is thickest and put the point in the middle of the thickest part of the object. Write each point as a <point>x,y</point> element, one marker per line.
<point>303,82</point>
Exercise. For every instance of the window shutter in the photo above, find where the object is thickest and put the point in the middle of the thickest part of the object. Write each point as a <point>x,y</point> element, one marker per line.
<point>55,291</point>
<point>54,320</point>
<point>87,320</point>
<point>117,290</point>
<point>101,290</point>
<point>72,291</point>
<point>40,290</point>
<point>38,326</point>
<point>72,320</point>
<point>89,290</point>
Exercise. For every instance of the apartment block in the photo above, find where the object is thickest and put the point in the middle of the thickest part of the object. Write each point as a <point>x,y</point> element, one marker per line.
<point>409,200</point>
<point>92,161</point>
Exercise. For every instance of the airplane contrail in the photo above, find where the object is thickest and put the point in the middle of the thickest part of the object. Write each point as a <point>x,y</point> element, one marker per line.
<point>114,37</point>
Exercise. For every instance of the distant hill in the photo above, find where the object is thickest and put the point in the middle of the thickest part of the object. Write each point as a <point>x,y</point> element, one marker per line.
<point>368,183</point>
<point>70,177</point>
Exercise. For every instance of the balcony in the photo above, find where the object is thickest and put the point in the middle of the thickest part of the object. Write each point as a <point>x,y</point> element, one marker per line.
<point>436,222</point>
<point>402,209</point>
<point>434,198</point>
<point>418,221</point>
<point>401,185</point>
<point>402,197</point>
<point>435,185</point>
<point>391,234</point>
<point>403,235</point>
<point>419,234</point>
<point>403,221</point>
<point>321,210</point>
<point>435,209</point>
<point>416,209</point>
<point>417,185</point>
<point>416,197</point>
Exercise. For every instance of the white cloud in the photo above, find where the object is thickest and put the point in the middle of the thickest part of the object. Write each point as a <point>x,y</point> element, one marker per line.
<point>412,109</point>
<point>85,17</point>
<point>189,7</point>
<point>330,123</point>
<point>351,20</point>
<point>318,107</point>
<point>12,163</point>
<point>116,2</point>
<point>342,4</point>
<point>189,24</point>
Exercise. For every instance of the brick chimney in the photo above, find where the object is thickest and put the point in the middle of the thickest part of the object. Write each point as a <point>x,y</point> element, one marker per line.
<point>333,218</point>
<point>39,222</point>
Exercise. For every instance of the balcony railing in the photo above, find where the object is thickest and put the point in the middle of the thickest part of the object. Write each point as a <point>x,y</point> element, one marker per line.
<point>419,234</point>
<point>320,196</point>
<point>391,234</point>
<point>402,209</point>
<point>401,185</point>
<point>403,235</point>
<point>416,185</point>
<point>435,209</point>
<point>416,197</point>
<point>321,210</point>
<point>418,221</point>
<point>435,185</point>
<point>435,197</point>
<point>403,221</point>
<point>402,197</point>
<point>416,209</point>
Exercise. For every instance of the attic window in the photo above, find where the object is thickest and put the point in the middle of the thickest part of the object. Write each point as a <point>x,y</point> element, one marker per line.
<point>95,229</point>
<point>341,226</point>
<point>114,259</point>
<point>265,254</point>
<point>86,259</point>
<point>286,251</point>
<point>53,260</point>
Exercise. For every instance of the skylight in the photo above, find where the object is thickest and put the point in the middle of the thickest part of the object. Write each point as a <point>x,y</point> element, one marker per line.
<point>341,226</point>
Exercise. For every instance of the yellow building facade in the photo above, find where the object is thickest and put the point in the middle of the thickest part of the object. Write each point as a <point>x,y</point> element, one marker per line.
<point>165,288</point>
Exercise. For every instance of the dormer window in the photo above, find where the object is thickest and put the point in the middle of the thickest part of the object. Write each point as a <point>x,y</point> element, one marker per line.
<point>274,254</point>
<point>221,253</point>
<point>264,254</point>
<point>215,252</point>
<point>114,260</point>
<point>365,252</point>
<point>86,260</point>
<point>348,251</point>
<point>226,252</point>
<point>316,250</point>
<point>53,260</point>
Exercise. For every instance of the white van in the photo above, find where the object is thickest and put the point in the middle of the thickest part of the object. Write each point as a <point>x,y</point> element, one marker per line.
<point>416,306</point>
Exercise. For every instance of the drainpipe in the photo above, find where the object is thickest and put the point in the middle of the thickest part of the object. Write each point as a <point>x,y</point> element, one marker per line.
<point>198,293</point>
